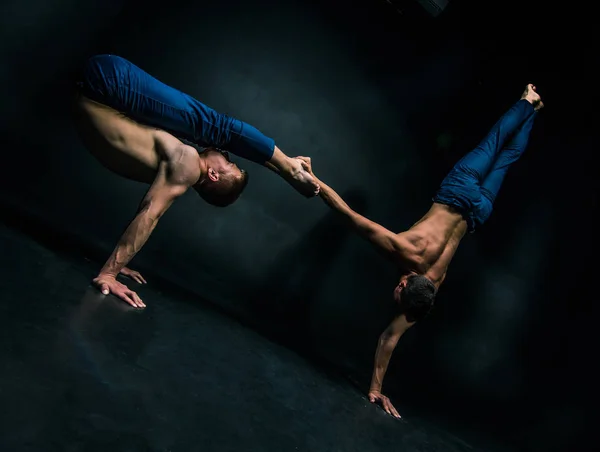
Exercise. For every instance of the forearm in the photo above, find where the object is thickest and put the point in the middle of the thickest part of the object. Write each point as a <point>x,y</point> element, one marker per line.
<point>132,240</point>
<point>272,167</point>
<point>367,229</point>
<point>383,354</point>
<point>333,200</point>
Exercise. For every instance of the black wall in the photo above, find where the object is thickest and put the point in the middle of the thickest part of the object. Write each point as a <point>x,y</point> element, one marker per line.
<point>384,103</point>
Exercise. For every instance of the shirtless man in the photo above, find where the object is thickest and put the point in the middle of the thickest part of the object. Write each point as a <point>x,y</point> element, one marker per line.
<point>463,202</point>
<point>134,125</point>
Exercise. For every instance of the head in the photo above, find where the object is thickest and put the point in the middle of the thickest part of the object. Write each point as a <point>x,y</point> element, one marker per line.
<point>414,296</point>
<point>222,182</point>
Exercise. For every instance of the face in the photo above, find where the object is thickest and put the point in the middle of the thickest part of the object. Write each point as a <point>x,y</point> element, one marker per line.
<point>220,164</point>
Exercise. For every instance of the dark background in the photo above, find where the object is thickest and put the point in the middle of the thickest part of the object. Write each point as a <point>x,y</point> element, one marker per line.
<point>384,98</point>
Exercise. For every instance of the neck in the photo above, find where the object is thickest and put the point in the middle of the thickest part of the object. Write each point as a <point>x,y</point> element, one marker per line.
<point>203,166</point>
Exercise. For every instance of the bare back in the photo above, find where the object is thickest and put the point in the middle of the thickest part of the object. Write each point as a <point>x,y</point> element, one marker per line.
<point>436,237</point>
<point>124,146</point>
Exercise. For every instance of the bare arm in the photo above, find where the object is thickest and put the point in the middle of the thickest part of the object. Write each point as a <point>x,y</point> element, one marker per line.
<point>155,203</point>
<point>385,347</point>
<point>383,239</point>
<point>172,180</point>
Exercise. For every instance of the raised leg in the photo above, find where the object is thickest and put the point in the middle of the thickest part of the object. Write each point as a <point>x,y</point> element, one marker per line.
<point>480,160</point>
<point>466,186</point>
<point>511,152</point>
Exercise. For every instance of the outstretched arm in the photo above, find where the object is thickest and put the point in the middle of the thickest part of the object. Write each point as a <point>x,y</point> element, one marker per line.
<point>385,347</point>
<point>383,239</point>
<point>396,247</point>
<point>169,184</point>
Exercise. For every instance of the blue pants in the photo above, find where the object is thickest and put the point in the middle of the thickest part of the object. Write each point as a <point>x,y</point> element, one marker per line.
<point>473,184</point>
<point>119,84</point>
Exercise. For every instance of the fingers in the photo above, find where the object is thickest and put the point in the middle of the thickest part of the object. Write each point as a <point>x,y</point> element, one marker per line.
<point>138,300</point>
<point>389,408</point>
<point>130,297</point>
<point>124,293</point>
<point>125,297</point>
<point>392,410</point>
<point>138,278</point>
<point>305,162</point>
<point>133,298</point>
<point>385,404</point>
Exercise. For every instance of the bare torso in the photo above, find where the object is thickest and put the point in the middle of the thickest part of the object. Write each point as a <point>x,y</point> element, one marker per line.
<point>436,237</point>
<point>135,151</point>
<point>128,148</point>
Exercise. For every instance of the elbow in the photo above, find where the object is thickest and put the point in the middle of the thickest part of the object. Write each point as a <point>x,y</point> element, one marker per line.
<point>388,339</point>
<point>151,210</point>
<point>385,336</point>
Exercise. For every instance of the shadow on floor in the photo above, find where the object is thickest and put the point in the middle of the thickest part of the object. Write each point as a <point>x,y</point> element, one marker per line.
<point>286,300</point>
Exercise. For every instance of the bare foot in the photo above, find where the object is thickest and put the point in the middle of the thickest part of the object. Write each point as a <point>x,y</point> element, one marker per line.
<point>531,96</point>
<point>300,178</point>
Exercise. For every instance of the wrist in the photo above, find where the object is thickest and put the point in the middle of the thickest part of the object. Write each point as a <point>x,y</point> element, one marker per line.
<point>286,166</point>
<point>107,274</point>
<point>111,268</point>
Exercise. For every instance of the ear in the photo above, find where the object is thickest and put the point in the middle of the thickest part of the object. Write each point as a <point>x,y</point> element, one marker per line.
<point>402,284</point>
<point>213,175</point>
<point>397,290</point>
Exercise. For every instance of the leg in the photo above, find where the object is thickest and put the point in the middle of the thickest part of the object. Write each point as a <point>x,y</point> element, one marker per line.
<point>511,152</point>
<point>120,84</point>
<point>462,186</point>
<point>132,155</point>
<point>480,160</point>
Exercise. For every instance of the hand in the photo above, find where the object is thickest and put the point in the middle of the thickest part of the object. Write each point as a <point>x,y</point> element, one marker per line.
<point>379,398</point>
<point>306,163</point>
<point>133,275</point>
<point>298,175</point>
<point>108,284</point>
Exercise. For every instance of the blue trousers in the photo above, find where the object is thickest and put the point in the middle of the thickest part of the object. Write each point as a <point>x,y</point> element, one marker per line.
<point>119,84</point>
<point>473,184</point>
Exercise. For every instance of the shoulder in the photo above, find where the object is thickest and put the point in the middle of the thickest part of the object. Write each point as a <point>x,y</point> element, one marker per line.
<point>410,250</point>
<point>182,161</point>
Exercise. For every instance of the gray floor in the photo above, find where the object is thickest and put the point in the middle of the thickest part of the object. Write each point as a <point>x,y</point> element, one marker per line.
<point>83,372</point>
